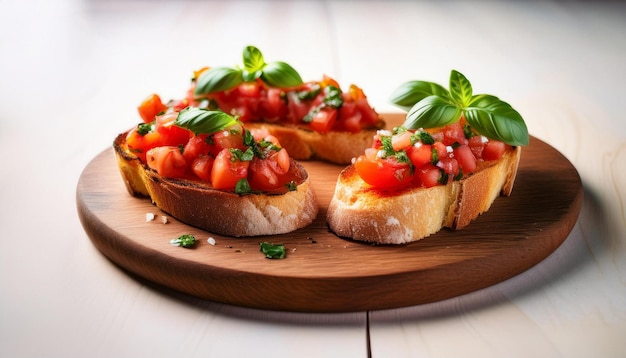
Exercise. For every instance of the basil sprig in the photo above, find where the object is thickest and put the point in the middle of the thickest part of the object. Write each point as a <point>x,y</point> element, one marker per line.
<point>274,74</point>
<point>430,105</point>
<point>204,121</point>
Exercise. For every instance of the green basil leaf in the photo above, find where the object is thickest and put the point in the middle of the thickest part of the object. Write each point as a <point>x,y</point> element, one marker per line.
<point>218,79</point>
<point>409,93</point>
<point>203,121</point>
<point>272,251</point>
<point>253,59</point>
<point>460,88</point>
<point>496,119</point>
<point>432,111</point>
<point>253,64</point>
<point>281,75</point>
<point>243,186</point>
<point>186,240</point>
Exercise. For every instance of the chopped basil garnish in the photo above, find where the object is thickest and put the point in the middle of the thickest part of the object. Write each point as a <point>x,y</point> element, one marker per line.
<point>310,94</point>
<point>272,251</point>
<point>443,177</point>
<point>332,97</point>
<point>402,157</point>
<point>421,136</point>
<point>145,128</point>
<point>434,156</point>
<point>243,187</point>
<point>239,155</point>
<point>186,241</point>
<point>387,146</point>
<point>292,186</point>
<point>430,105</point>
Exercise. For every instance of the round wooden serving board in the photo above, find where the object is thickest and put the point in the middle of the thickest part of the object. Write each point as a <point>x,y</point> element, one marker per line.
<point>325,273</point>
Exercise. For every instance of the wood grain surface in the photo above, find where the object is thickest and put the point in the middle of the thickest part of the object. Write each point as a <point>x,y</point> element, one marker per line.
<point>325,273</point>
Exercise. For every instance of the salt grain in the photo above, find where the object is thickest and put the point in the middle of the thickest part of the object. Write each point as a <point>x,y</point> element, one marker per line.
<point>149,216</point>
<point>164,219</point>
<point>211,241</point>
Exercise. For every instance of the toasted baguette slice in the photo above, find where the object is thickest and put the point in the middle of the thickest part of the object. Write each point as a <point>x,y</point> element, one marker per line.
<point>334,147</point>
<point>359,212</point>
<point>221,212</point>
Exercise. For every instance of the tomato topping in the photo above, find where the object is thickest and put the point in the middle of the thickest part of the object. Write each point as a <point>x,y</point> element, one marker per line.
<point>227,171</point>
<point>302,106</point>
<point>385,173</point>
<point>168,161</point>
<point>231,137</point>
<point>169,133</point>
<point>493,150</point>
<point>476,144</point>
<point>429,158</point>
<point>324,120</point>
<point>449,165</point>
<point>466,159</point>
<point>150,107</point>
<point>202,167</point>
<point>420,154</point>
<point>401,141</point>
<point>197,146</point>
<point>453,133</point>
<point>139,144</point>
<point>428,175</point>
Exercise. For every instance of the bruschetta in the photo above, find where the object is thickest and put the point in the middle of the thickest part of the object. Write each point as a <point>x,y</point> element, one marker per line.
<point>206,169</point>
<point>453,156</point>
<point>312,120</point>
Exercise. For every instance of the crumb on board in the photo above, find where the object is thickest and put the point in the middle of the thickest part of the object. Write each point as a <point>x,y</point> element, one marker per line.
<point>150,216</point>
<point>164,219</point>
<point>211,241</point>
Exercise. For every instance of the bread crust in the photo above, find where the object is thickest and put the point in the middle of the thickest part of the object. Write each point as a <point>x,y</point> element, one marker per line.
<point>359,212</point>
<point>334,146</point>
<point>220,212</point>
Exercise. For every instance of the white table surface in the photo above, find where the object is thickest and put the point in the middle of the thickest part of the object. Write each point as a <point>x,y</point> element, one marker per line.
<point>73,71</point>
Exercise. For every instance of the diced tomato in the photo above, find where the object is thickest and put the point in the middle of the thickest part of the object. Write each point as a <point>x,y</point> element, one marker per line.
<point>493,150</point>
<point>226,172</point>
<point>231,137</point>
<point>150,107</point>
<point>476,145</point>
<point>356,92</point>
<point>466,159</point>
<point>139,144</point>
<point>282,159</point>
<point>274,106</point>
<point>348,119</point>
<point>441,149</point>
<point>449,165</point>
<point>428,175</point>
<point>420,154</point>
<point>401,141</point>
<point>270,173</point>
<point>196,147</point>
<point>324,120</point>
<point>202,166</point>
<point>249,89</point>
<point>386,174</point>
<point>170,133</point>
<point>329,81</point>
<point>168,161</point>
<point>369,117</point>
<point>453,133</point>
<point>296,109</point>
